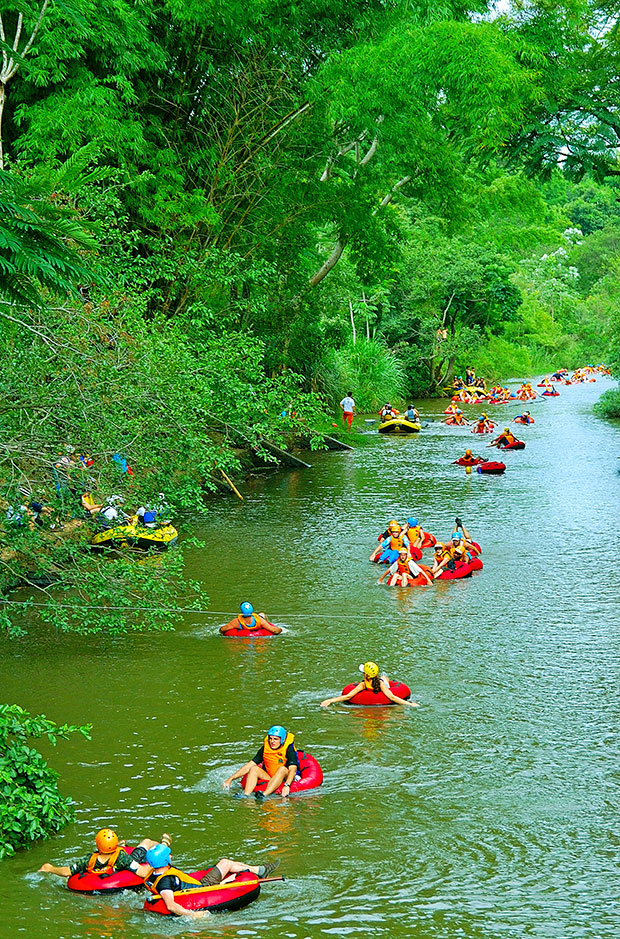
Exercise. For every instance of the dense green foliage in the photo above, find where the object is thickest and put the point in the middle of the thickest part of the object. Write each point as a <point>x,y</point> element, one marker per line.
<point>264,205</point>
<point>31,806</point>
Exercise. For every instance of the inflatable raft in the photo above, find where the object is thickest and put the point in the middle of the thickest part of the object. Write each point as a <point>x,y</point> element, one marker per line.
<point>309,770</point>
<point>517,445</point>
<point>93,883</point>
<point>399,425</point>
<point>221,898</point>
<point>473,462</point>
<point>551,394</point>
<point>491,466</point>
<point>520,420</point>
<point>367,698</point>
<point>136,536</point>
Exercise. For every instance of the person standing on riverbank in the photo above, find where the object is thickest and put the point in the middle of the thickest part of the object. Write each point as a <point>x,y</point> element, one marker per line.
<point>348,409</point>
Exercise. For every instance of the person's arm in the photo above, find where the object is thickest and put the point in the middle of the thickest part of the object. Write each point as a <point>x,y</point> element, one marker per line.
<point>240,772</point>
<point>58,871</point>
<point>343,697</point>
<point>292,767</point>
<point>173,907</point>
<point>228,626</point>
<point>270,627</point>
<point>390,570</point>
<point>387,691</point>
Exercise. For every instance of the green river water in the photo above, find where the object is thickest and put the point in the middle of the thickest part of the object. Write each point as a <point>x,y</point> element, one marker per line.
<point>489,811</point>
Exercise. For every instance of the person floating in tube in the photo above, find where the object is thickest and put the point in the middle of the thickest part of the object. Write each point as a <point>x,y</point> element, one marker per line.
<point>248,620</point>
<point>403,571</point>
<point>275,763</point>
<point>502,440</point>
<point>372,682</point>
<point>161,878</point>
<point>108,857</point>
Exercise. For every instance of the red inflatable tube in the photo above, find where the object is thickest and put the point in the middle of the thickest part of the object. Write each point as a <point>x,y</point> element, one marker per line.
<point>90,882</point>
<point>491,466</point>
<point>368,698</point>
<point>420,580</point>
<point>519,420</point>
<point>235,633</point>
<point>462,570</point>
<point>309,770</point>
<point>221,898</point>
<point>463,462</point>
<point>429,540</point>
<point>551,394</point>
<point>517,445</point>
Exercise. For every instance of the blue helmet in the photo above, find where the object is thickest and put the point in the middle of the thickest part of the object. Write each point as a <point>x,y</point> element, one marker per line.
<point>456,536</point>
<point>159,856</point>
<point>277,731</point>
<point>413,522</point>
<point>246,608</point>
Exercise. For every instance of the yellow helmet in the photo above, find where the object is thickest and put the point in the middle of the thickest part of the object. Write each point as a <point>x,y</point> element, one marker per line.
<point>370,669</point>
<point>506,430</point>
<point>106,841</point>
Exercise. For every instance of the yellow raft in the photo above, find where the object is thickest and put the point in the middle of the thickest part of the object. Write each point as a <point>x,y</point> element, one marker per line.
<point>136,536</point>
<point>399,425</point>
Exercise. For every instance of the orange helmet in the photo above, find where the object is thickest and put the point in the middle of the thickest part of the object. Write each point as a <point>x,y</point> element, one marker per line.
<point>106,841</point>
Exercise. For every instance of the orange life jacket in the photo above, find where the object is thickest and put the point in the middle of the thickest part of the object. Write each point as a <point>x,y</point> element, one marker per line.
<point>255,624</point>
<point>186,878</point>
<point>403,566</point>
<point>112,858</point>
<point>397,542</point>
<point>274,759</point>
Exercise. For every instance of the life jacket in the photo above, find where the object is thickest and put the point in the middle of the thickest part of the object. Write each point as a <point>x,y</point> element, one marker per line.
<point>274,759</point>
<point>109,867</point>
<point>414,533</point>
<point>187,880</point>
<point>253,625</point>
<point>468,460</point>
<point>403,566</point>
<point>397,542</point>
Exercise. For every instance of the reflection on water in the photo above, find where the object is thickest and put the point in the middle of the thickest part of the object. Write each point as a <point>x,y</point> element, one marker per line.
<point>488,811</point>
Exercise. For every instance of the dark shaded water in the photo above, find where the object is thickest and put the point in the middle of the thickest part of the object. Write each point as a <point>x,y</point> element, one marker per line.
<point>491,810</point>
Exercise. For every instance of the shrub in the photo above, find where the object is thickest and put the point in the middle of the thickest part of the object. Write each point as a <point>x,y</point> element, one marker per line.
<point>31,806</point>
<point>609,403</point>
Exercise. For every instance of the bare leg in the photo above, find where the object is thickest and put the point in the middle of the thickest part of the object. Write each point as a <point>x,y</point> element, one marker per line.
<point>254,775</point>
<point>276,780</point>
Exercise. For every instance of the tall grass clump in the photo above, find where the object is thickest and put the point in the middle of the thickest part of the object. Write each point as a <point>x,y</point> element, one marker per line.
<point>368,368</point>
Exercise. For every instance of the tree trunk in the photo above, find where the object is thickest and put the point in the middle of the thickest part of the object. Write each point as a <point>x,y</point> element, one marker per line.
<point>330,264</point>
<point>352,323</point>
<point>2,101</point>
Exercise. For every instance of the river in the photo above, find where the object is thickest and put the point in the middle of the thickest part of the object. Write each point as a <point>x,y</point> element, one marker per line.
<point>491,810</point>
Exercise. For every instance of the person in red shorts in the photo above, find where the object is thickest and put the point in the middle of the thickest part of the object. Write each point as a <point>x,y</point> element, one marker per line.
<point>348,408</point>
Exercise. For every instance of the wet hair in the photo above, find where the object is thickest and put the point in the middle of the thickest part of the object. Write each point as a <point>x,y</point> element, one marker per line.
<point>376,684</point>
